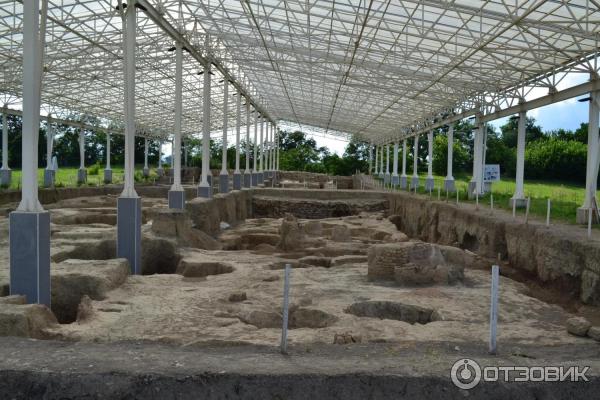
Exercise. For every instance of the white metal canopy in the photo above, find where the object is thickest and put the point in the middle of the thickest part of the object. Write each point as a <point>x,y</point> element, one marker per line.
<point>376,69</point>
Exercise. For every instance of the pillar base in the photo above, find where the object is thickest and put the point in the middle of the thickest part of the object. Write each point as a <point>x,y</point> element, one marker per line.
<point>29,241</point>
<point>519,202</point>
<point>108,176</point>
<point>160,172</point>
<point>224,183</point>
<point>129,232</point>
<point>81,175</point>
<point>449,185</point>
<point>414,182</point>
<point>261,178</point>
<point>49,177</point>
<point>583,215</point>
<point>254,178</point>
<point>146,172</point>
<point>177,199</point>
<point>205,192</point>
<point>5,177</point>
<point>387,178</point>
<point>247,179</point>
<point>237,181</point>
<point>395,180</point>
<point>381,175</point>
<point>429,184</point>
<point>403,182</point>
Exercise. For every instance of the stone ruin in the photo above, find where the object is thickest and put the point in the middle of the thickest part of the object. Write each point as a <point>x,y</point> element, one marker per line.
<point>417,263</point>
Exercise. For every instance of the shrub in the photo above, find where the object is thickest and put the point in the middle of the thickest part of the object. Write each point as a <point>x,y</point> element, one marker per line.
<point>94,169</point>
<point>556,159</point>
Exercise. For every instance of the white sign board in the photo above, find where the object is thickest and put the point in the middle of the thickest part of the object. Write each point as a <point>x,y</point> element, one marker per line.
<point>491,173</point>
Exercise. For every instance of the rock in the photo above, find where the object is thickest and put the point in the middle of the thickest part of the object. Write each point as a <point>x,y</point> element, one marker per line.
<point>85,310</point>
<point>313,228</point>
<point>414,263</point>
<point>190,268</point>
<point>578,326</point>
<point>310,318</point>
<point>26,320</point>
<point>350,259</point>
<point>224,225</point>
<point>291,236</point>
<point>316,261</point>
<point>14,299</point>
<point>262,319</point>
<point>272,278</point>
<point>177,224</point>
<point>252,240</point>
<point>73,279</point>
<point>237,297</point>
<point>341,233</point>
<point>346,338</point>
<point>594,333</point>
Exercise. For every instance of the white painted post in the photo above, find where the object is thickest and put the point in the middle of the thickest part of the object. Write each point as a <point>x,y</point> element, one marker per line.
<point>477,200</point>
<point>514,209</point>
<point>129,33</point>
<point>247,170</point>
<point>548,213</point>
<point>494,308</point>
<point>527,210</point>
<point>519,187</point>
<point>492,201</point>
<point>5,141</point>
<point>286,294</point>
<point>457,192</point>
<point>108,151</point>
<point>255,150</point>
<point>449,176</point>
<point>592,159</point>
<point>178,118</point>
<point>376,160</point>
<point>49,142</point>
<point>205,189</point>
<point>238,107</point>
<point>370,159</point>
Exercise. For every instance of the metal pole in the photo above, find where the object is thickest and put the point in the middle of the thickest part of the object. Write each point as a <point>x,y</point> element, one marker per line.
<point>494,308</point>
<point>286,293</point>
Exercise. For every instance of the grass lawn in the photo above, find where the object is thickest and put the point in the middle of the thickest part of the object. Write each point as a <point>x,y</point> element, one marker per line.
<point>565,197</point>
<point>67,176</point>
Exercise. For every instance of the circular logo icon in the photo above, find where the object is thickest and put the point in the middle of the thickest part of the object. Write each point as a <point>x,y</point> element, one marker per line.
<point>465,374</point>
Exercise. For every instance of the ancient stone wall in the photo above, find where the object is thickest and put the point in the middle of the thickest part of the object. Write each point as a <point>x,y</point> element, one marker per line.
<point>277,207</point>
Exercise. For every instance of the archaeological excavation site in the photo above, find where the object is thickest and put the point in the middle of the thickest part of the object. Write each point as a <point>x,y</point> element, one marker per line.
<point>299,200</point>
<point>386,290</point>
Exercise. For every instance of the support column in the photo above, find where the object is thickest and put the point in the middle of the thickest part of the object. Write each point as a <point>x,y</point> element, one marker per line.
<point>176,192</point>
<point>205,188</point>
<point>370,159</point>
<point>268,150</point>
<point>247,171</point>
<point>519,195</point>
<point>476,184</point>
<point>415,177</point>
<point>429,182</point>
<point>255,152</point>
<point>129,204</point>
<point>237,174</point>
<point>449,184</point>
<point>5,171</point>
<point>387,177</point>
<point>107,170</point>
<point>81,172</point>
<point>146,170</point>
<point>29,225</point>
<point>381,171</point>
<point>593,158</point>
<point>49,172</point>
<point>395,177</point>
<point>278,146</point>
<point>224,175</point>
<point>376,173</point>
<point>261,144</point>
<point>159,169</point>
<point>403,177</point>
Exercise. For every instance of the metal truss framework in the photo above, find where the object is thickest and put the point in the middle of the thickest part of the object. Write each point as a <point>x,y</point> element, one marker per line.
<point>377,69</point>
